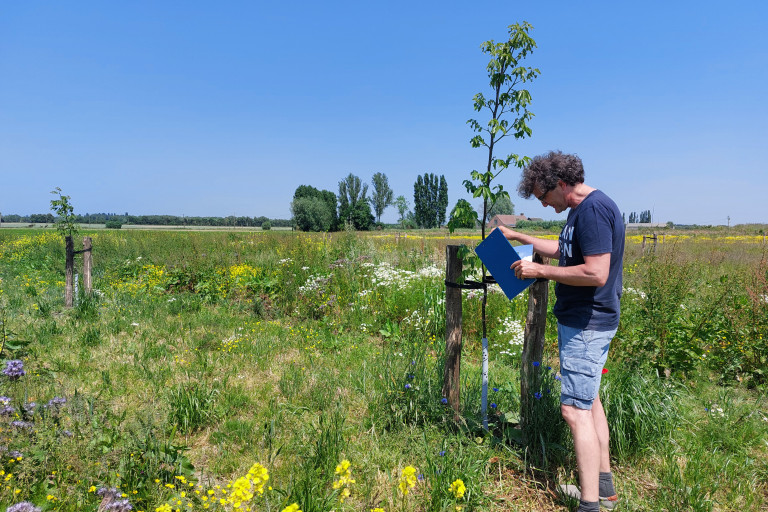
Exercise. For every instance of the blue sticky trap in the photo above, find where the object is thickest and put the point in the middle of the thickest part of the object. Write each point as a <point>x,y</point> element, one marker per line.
<point>497,254</point>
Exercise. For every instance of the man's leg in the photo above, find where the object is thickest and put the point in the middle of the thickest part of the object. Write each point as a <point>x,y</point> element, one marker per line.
<point>601,428</point>
<point>587,446</point>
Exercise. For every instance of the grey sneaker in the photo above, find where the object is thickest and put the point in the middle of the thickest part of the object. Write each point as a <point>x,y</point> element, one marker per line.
<point>573,491</point>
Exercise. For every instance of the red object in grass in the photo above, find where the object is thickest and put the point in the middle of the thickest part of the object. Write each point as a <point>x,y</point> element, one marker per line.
<point>605,370</point>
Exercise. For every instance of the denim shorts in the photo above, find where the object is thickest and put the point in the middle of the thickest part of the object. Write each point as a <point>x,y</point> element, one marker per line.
<point>582,356</point>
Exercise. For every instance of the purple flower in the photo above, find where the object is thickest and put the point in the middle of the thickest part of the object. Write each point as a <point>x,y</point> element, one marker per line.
<point>493,406</point>
<point>22,424</point>
<point>109,492</point>
<point>444,401</point>
<point>557,377</point>
<point>537,395</point>
<point>536,363</point>
<point>56,401</point>
<point>29,407</point>
<point>4,400</point>
<point>67,433</point>
<point>7,410</point>
<point>442,453</point>
<point>23,506</point>
<point>413,363</point>
<point>407,386</point>
<point>14,369</point>
<point>15,454</point>
<point>420,477</point>
<point>411,376</point>
<point>119,506</point>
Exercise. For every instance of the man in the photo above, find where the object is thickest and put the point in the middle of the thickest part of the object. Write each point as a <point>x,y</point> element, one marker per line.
<point>590,252</point>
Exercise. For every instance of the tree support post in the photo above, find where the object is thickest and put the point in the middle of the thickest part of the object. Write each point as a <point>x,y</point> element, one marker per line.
<point>69,272</point>
<point>87,264</point>
<point>451,376</point>
<point>533,343</point>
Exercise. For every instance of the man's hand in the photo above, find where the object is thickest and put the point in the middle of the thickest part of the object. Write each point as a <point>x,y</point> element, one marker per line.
<point>527,269</point>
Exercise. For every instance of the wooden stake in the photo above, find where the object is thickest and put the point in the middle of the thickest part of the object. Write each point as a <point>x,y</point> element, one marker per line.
<point>451,377</point>
<point>533,343</point>
<point>87,264</point>
<point>69,272</point>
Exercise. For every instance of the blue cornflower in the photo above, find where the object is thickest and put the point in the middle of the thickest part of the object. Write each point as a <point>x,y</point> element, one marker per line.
<point>549,367</point>
<point>411,376</point>
<point>493,406</point>
<point>14,369</point>
<point>443,401</point>
<point>537,395</point>
<point>407,386</point>
<point>413,363</point>
<point>557,377</point>
<point>536,363</point>
<point>495,389</point>
<point>420,476</point>
<point>442,453</point>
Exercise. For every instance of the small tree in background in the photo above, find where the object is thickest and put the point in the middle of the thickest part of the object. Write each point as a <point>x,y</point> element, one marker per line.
<point>353,203</point>
<point>502,206</point>
<point>401,203</point>
<point>65,223</point>
<point>468,216</point>
<point>382,194</point>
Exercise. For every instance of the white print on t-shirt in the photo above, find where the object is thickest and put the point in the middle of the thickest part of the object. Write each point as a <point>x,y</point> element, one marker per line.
<point>566,235</point>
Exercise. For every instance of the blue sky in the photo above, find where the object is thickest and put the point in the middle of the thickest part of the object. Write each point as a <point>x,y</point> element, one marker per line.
<point>195,108</point>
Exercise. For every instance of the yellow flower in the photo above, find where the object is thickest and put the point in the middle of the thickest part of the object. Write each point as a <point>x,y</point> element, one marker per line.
<point>458,489</point>
<point>407,479</point>
<point>164,508</point>
<point>377,509</point>
<point>294,507</point>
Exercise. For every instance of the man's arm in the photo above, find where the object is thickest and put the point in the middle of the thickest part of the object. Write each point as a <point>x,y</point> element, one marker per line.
<point>593,272</point>
<point>547,248</point>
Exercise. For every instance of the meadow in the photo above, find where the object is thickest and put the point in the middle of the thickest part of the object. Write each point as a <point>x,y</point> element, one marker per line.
<point>292,371</point>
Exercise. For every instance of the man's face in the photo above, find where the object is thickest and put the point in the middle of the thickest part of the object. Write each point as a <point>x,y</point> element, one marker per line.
<point>552,197</point>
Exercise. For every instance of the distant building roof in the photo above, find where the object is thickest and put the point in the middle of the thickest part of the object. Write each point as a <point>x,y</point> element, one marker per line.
<point>640,225</point>
<point>505,220</point>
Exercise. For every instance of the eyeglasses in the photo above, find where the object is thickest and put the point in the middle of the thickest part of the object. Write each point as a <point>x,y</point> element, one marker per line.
<point>542,196</point>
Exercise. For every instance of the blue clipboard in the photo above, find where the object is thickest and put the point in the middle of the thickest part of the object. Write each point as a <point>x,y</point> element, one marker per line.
<point>497,254</point>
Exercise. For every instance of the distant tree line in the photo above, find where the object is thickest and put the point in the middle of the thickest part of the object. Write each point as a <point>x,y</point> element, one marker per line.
<point>156,220</point>
<point>643,217</point>
<point>323,210</point>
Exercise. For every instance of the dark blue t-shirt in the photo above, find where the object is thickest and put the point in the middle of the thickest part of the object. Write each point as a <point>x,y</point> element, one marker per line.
<point>593,227</point>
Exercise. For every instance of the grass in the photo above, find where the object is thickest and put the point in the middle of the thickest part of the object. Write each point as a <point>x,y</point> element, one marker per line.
<point>206,352</point>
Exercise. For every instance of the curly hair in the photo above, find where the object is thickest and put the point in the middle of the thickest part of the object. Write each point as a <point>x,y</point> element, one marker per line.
<point>546,170</point>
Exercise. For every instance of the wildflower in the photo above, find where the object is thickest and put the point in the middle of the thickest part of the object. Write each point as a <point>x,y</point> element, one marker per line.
<point>119,506</point>
<point>493,405</point>
<point>344,481</point>
<point>294,507</point>
<point>23,506</point>
<point>4,400</point>
<point>458,489</point>
<point>56,401</point>
<point>377,509</point>
<point>7,410</point>
<point>537,395</point>
<point>444,401</point>
<point>442,453</point>
<point>557,377</point>
<point>407,479</point>
<point>536,363</point>
<point>14,369</point>
<point>407,386</point>
<point>605,370</point>
<point>22,424</point>
<point>67,433</point>
<point>29,407</point>
<point>495,389</point>
<point>258,475</point>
